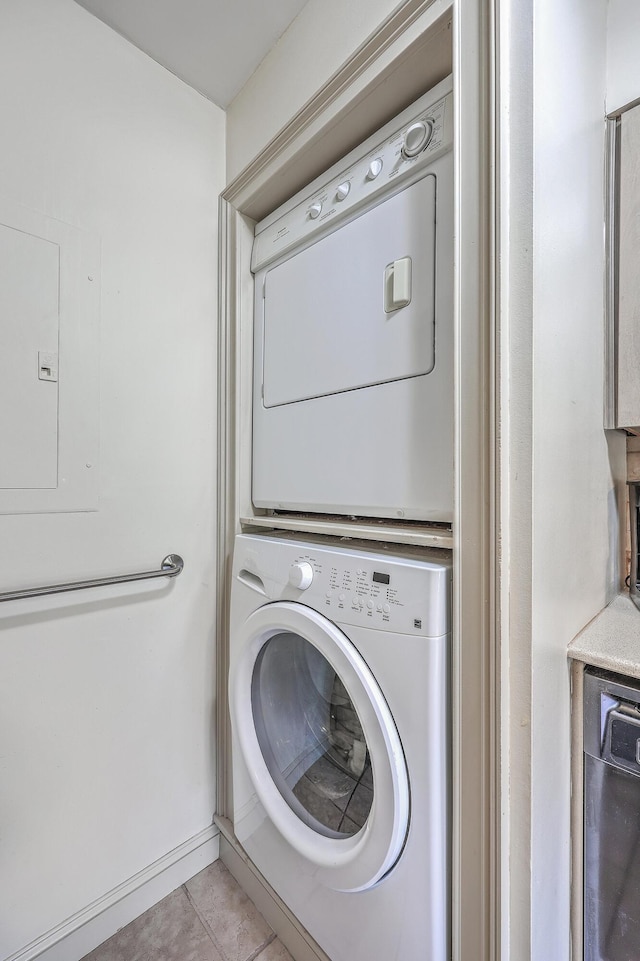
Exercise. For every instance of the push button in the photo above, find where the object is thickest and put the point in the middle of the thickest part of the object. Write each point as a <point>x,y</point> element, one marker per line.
<point>375,169</point>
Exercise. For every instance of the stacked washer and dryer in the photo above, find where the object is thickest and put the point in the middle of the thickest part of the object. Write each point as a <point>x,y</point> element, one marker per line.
<point>339,685</point>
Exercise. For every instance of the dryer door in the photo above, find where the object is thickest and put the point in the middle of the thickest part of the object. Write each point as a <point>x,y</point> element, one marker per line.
<point>320,744</point>
<point>330,323</point>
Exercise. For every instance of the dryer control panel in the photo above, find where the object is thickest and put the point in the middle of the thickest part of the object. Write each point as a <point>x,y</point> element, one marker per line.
<point>395,156</point>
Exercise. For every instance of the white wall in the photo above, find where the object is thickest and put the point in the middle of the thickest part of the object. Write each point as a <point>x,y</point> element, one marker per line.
<point>623,63</point>
<point>319,41</point>
<point>106,698</point>
<point>574,521</point>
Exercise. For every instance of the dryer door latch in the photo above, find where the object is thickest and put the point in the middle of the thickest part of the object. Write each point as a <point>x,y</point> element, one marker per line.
<point>397,284</point>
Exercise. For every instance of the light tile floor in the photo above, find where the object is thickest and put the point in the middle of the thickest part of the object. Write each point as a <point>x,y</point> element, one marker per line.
<point>209,918</point>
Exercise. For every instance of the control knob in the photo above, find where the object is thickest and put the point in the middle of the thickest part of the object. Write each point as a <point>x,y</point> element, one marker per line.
<point>416,138</point>
<point>301,575</point>
<point>342,190</point>
<point>315,210</point>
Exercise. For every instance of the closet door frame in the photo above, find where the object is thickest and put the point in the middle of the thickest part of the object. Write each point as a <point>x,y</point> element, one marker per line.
<point>400,42</point>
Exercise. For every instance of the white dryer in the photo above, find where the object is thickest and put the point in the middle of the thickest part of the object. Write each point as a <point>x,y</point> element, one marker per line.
<point>353,331</point>
<point>339,699</point>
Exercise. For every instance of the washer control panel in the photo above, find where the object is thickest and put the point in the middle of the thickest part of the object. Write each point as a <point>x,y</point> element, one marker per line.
<point>412,142</point>
<point>404,595</point>
<point>371,592</point>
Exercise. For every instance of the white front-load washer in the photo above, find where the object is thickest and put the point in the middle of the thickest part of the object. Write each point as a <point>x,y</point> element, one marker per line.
<point>339,700</point>
<point>353,330</point>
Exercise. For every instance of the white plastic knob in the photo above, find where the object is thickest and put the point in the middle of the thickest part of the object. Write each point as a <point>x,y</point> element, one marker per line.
<point>375,169</point>
<point>416,138</point>
<point>343,190</point>
<point>315,210</point>
<point>301,575</point>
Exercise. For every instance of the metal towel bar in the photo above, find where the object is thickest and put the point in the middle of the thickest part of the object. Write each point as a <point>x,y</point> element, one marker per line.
<point>171,566</point>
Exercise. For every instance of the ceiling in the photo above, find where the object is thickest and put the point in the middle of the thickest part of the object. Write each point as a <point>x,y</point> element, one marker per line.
<point>213,45</point>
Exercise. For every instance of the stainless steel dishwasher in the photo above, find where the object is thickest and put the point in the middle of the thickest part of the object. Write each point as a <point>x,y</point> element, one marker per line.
<point>612,817</point>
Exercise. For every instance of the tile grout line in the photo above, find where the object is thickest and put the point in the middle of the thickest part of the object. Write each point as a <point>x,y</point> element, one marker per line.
<point>258,951</point>
<point>213,938</point>
<point>205,925</point>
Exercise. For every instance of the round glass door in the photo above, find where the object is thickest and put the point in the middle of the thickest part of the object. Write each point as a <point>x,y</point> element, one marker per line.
<point>311,737</point>
<point>319,744</point>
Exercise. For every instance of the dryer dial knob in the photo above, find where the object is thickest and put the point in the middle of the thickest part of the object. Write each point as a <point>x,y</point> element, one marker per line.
<point>315,210</point>
<point>301,575</point>
<point>416,138</point>
<point>343,190</point>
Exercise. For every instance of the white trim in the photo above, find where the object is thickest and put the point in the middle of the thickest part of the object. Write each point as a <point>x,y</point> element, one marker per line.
<point>421,534</point>
<point>476,526</point>
<point>86,929</point>
<point>514,354</point>
<point>612,187</point>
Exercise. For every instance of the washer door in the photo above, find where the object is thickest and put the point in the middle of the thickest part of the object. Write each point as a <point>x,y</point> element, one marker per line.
<point>320,744</point>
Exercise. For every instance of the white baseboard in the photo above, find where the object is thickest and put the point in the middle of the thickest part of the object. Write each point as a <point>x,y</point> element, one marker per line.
<point>82,932</point>
<point>296,940</point>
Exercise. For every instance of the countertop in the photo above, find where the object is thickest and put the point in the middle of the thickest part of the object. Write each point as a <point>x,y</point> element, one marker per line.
<point>612,639</point>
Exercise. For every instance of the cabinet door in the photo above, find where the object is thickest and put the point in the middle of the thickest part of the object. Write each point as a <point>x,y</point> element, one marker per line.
<point>29,307</point>
<point>49,363</point>
<point>628,349</point>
